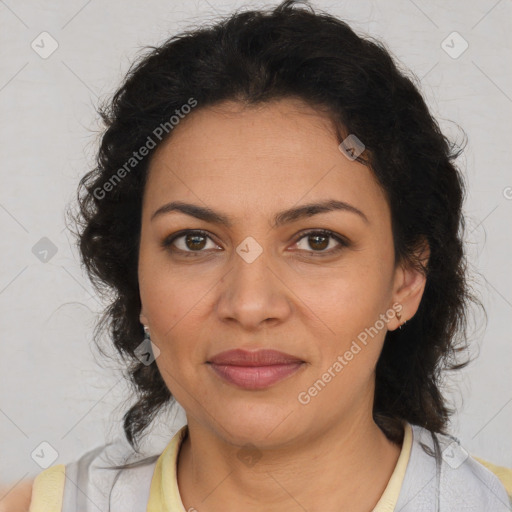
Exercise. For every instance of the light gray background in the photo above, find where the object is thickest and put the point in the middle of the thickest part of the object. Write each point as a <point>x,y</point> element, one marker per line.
<point>54,386</point>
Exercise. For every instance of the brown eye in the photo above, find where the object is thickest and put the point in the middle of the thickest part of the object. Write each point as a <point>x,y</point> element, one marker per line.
<point>191,241</point>
<point>195,242</point>
<point>320,240</point>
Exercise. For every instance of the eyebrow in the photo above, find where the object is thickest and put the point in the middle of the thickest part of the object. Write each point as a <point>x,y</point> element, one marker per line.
<point>281,218</point>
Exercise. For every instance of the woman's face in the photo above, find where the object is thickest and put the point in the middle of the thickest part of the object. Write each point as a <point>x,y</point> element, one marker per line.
<point>252,283</point>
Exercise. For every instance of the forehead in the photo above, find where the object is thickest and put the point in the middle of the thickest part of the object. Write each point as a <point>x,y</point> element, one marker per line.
<point>267,157</point>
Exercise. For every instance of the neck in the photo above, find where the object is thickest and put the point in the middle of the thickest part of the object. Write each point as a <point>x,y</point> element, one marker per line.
<point>349,463</point>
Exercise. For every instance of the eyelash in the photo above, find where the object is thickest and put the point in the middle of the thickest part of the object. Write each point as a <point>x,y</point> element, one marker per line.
<point>343,243</point>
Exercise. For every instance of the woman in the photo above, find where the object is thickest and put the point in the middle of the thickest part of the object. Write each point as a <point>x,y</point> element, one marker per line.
<point>279,215</point>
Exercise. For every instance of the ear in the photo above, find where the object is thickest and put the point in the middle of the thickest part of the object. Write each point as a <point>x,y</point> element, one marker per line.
<point>143,318</point>
<point>409,286</point>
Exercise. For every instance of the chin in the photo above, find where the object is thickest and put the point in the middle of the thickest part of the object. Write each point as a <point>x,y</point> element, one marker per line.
<point>265,426</point>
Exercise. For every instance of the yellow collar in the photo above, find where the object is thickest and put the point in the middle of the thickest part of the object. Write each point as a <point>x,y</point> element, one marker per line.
<point>166,498</point>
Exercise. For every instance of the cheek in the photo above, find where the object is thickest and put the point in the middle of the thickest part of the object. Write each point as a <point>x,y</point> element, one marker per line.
<point>350,305</point>
<point>172,310</point>
<point>352,298</point>
<point>180,355</point>
<point>351,308</point>
<point>168,294</point>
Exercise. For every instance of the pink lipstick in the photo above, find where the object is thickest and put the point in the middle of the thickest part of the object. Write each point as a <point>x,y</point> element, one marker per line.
<point>254,370</point>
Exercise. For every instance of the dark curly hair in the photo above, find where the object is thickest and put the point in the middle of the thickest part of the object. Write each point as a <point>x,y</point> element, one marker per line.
<point>253,57</point>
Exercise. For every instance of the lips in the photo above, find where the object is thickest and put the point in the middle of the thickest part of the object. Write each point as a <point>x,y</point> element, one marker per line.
<point>254,370</point>
<point>263,357</point>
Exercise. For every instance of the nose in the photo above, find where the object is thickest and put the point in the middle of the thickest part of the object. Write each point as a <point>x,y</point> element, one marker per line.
<point>253,294</point>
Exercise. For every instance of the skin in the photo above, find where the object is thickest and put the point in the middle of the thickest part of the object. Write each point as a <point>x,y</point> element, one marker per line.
<point>248,164</point>
<point>16,499</point>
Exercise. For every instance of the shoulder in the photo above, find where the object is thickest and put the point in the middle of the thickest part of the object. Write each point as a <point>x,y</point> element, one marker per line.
<point>93,482</point>
<point>442,475</point>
